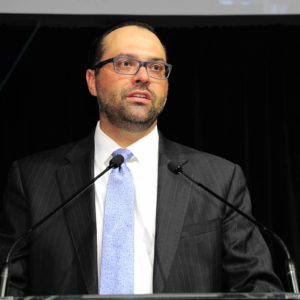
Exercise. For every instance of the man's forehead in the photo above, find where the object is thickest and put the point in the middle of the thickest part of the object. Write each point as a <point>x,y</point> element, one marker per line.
<point>133,37</point>
<point>130,30</point>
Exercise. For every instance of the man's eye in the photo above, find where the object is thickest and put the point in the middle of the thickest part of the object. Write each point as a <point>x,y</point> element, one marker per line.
<point>157,67</point>
<point>125,63</point>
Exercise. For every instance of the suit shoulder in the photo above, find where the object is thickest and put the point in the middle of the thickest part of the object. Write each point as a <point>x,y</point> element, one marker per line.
<point>215,172</point>
<point>57,156</point>
<point>196,156</point>
<point>50,156</point>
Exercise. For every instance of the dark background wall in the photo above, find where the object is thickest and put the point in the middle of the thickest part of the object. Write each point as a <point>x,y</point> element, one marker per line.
<point>234,92</point>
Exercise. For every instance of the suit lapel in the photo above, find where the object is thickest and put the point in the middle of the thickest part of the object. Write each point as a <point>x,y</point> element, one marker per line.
<point>172,200</point>
<point>80,214</point>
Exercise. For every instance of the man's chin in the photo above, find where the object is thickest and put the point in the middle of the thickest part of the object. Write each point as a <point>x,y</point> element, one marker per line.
<point>140,121</point>
<point>137,123</point>
<point>133,119</point>
<point>139,116</point>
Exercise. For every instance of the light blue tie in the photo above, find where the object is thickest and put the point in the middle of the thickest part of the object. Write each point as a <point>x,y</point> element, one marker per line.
<point>117,258</point>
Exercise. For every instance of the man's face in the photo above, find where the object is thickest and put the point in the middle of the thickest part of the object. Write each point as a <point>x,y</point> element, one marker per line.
<point>130,102</point>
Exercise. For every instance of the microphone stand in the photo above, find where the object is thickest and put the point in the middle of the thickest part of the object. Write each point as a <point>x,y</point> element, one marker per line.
<point>20,55</point>
<point>290,265</point>
<point>115,162</point>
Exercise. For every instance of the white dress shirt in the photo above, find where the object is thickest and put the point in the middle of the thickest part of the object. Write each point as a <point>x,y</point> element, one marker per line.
<point>144,168</point>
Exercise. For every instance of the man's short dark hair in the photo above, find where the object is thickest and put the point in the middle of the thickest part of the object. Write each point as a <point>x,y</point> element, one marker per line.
<point>97,48</point>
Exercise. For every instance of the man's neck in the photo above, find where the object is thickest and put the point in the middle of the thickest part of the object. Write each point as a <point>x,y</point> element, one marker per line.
<point>123,137</point>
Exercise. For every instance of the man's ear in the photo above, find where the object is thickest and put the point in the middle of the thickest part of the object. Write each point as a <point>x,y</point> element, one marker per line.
<point>91,81</point>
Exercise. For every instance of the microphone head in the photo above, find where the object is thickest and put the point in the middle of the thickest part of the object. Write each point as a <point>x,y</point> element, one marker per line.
<point>116,161</point>
<point>174,167</point>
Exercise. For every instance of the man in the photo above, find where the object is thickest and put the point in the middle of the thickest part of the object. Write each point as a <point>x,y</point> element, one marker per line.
<point>184,240</point>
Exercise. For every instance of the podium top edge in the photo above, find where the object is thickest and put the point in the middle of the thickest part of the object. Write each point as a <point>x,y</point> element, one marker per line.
<point>181,296</point>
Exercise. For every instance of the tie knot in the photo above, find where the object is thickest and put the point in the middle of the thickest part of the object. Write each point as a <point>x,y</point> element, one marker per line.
<point>124,152</point>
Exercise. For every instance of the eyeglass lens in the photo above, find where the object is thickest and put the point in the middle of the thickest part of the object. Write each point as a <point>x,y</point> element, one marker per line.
<point>130,66</point>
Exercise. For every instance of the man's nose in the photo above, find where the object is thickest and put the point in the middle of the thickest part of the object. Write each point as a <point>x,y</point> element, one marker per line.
<point>141,75</point>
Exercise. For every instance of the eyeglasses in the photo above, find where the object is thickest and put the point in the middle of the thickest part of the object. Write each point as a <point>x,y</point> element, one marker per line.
<point>130,66</point>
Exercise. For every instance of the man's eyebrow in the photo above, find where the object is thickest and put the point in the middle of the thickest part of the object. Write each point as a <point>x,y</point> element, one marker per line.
<point>151,59</point>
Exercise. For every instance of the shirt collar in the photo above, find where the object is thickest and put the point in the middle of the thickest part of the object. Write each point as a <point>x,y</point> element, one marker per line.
<point>144,150</point>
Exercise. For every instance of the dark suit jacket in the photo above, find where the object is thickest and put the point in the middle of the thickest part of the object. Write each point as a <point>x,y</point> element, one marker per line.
<point>201,245</point>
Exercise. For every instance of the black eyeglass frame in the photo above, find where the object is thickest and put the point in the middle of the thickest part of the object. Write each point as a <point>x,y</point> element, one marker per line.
<point>141,63</point>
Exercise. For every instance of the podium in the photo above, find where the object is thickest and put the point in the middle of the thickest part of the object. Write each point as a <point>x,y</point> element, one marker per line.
<point>187,296</point>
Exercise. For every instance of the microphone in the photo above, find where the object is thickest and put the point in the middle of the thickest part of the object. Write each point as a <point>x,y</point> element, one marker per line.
<point>114,163</point>
<point>290,265</point>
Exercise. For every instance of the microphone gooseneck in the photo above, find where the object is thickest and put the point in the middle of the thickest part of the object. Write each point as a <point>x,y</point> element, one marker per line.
<point>290,265</point>
<point>115,162</point>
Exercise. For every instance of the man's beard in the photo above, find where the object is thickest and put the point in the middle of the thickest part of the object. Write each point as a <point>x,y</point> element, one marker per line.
<point>118,112</point>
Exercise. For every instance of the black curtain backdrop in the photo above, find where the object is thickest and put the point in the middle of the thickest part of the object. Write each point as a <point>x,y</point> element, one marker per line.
<point>234,92</point>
